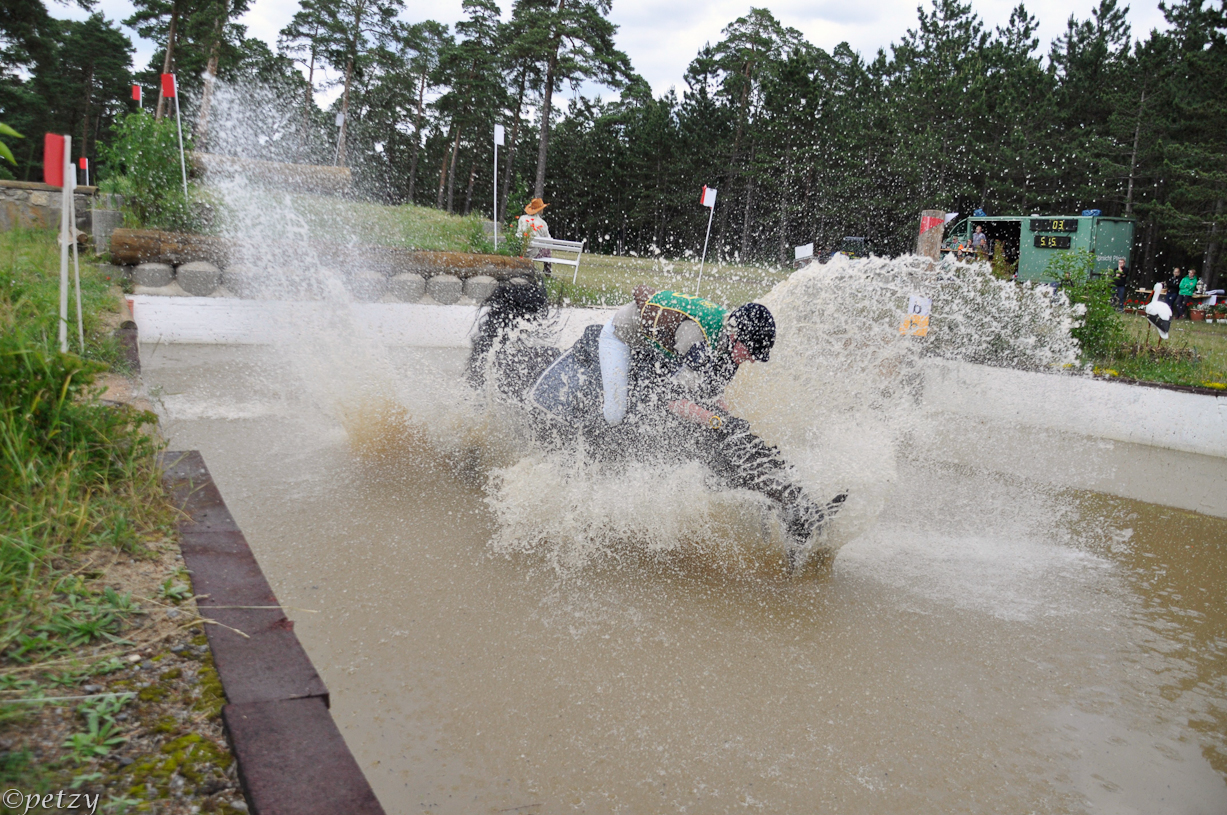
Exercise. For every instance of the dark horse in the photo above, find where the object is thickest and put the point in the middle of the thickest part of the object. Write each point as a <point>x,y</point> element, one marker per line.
<point>563,389</point>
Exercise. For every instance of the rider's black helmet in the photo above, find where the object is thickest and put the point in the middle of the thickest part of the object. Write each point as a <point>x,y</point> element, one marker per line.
<point>753,326</point>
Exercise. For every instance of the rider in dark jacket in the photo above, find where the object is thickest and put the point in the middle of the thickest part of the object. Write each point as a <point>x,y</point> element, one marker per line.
<point>649,383</point>
<point>679,348</point>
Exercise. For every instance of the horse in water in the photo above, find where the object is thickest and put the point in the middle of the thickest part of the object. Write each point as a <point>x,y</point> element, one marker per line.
<point>513,358</point>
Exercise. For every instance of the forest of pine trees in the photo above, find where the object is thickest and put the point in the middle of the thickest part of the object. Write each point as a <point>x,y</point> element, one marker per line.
<point>803,144</point>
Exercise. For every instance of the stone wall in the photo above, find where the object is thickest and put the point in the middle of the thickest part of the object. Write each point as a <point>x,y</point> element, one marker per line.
<point>32,205</point>
<point>362,284</point>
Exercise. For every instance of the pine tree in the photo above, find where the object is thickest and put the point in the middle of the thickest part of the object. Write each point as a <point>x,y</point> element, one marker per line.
<point>573,40</point>
<point>353,29</point>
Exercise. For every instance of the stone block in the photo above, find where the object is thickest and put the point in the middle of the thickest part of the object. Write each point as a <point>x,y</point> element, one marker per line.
<point>479,288</point>
<point>40,199</point>
<point>198,278</point>
<point>445,288</point>
<point>366,286</point>
<point>153,275</point>
<point>407,287</point>
<point>104,222</point>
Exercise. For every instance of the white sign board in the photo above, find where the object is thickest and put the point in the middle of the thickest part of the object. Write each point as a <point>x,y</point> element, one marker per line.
<point>498,135</point>
<point>802,252</point>
<point>709,197</point>
<point>918,306</point>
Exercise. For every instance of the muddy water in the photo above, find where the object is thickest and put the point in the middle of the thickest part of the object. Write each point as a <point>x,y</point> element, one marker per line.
<point>992,643</point>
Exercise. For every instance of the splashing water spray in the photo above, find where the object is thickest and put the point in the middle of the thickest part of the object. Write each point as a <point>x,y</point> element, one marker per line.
<point>840,397</point>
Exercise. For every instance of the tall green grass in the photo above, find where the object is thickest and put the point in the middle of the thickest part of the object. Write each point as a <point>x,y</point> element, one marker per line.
<point>75,473</point>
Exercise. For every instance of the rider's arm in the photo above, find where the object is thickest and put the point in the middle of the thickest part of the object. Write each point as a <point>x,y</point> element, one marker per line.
<point>625,324</point>
<point>698,414</point>
<point>686,409</point>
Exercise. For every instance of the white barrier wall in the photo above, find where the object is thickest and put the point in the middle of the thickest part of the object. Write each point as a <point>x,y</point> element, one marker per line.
<point>226,321</point>
<point>1154,417</point>
<point>1190,422</point>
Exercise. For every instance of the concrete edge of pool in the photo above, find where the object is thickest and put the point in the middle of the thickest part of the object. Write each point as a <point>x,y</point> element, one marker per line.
<point>291,757</point>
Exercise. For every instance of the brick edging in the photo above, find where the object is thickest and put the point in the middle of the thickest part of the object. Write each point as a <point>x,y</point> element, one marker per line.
<point>292,759</point>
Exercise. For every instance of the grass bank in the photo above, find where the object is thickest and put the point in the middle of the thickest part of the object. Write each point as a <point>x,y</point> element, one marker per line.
<point>88,586</point>
<point>1194,355</point>
<point>606,280</point>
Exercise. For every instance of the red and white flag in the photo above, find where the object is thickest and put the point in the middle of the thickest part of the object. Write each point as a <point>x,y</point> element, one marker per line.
<point>138,94</point>
<point>168,86</point>
<point>708,198</point>
<point>53,160</point>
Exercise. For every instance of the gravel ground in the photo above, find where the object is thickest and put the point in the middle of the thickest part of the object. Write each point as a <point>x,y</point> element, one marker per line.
<point>173,758</point>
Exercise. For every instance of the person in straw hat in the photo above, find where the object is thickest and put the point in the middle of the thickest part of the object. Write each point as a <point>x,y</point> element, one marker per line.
<point>532,225</point>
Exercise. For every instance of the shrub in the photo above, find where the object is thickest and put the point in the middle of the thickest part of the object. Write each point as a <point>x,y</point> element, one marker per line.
<point>145,154</point>
<point>1100,331</point>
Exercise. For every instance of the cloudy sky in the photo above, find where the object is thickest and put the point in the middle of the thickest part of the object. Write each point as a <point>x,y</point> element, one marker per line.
<point>661,39</point>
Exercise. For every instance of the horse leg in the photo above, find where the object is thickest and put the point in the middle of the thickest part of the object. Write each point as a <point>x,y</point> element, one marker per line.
<point>748,462</point>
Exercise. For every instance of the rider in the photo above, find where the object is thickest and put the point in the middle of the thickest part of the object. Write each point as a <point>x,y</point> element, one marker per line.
<point>688,347</point>
<point>672,355</point>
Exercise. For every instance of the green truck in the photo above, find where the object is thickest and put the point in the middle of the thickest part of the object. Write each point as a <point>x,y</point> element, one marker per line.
<point>1032,241</point>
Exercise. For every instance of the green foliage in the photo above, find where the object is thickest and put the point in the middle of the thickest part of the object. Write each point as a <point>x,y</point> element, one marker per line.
<point>5,152</point>
<point>74,473</point>
<point>174,591</point>
<point>100,735</point>
<point>1002,268</point>
<point>1101,331</point>
<point>144,168</point>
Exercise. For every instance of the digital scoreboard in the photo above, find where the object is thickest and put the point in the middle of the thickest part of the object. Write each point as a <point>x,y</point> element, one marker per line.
<point>1052,241</point>
<point>1054,225</point>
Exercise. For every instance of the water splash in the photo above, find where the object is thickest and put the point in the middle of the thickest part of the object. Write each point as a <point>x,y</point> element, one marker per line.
<point>839,398</point>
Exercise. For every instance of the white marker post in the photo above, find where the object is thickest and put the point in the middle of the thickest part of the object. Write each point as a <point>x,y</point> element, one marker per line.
<point>708,200</point>
<point>72,221</point>
<point>170,88</point>
<point>340,121</point>
<point>65,215</point>
<point>498,142</point>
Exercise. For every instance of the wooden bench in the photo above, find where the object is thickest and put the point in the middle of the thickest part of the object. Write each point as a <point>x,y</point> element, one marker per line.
<point>555,245</point>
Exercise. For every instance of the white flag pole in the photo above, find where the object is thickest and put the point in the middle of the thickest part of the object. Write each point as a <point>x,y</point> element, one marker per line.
<point>76,261</point>
<point>340,120</point>
<point>178,121</point>
<point>65,214</point>
<point>709,201</point>
<point>498,139</point>
<point>710,213</point>
<point>494,218</point>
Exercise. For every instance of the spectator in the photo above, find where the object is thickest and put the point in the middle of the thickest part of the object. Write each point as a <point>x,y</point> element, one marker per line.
<point>979,242</point>
<point>1119,280</point>
<point>1171,288</point>
<point>1188,287</point>
<point>532,225</point>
